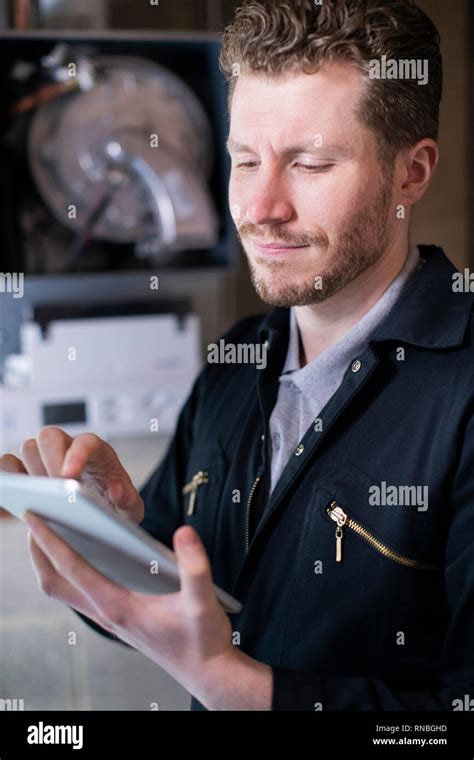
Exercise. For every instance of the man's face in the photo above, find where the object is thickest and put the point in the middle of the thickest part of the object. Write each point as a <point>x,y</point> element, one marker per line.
<point>305,174</point>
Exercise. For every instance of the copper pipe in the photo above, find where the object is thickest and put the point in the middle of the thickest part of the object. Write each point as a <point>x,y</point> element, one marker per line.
<point>48,92</point>
<point>21,14</point>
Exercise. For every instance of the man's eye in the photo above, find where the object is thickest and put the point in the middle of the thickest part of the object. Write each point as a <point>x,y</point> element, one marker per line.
<point>306,167</point>
<point>315,168</point>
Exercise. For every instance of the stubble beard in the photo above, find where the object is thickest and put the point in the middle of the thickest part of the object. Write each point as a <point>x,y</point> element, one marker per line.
<point>362,243</point>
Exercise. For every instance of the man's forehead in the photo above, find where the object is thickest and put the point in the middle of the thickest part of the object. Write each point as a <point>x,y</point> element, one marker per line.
<point>332,83</point>
<point>313,145</point>
<point>295,106</point>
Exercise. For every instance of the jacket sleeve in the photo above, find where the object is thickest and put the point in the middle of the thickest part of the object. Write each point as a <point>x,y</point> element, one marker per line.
<point>302,690</point>
<point>161,493</point>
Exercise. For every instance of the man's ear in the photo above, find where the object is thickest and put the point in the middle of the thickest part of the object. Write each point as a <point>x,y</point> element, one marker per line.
<point>419,164</point>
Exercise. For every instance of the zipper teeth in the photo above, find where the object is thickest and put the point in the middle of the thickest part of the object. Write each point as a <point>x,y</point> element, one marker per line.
<point>247,515</point>
<point>381,547</point>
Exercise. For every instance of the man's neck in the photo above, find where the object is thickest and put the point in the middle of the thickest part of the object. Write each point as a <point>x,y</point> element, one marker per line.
<point>323,324</point>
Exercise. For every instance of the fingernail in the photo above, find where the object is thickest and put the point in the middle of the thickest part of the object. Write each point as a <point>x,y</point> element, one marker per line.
<point>187,538</point>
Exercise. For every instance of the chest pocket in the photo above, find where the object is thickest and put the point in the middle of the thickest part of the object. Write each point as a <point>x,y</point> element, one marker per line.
<point>400,533</point>
<point>201,492</point>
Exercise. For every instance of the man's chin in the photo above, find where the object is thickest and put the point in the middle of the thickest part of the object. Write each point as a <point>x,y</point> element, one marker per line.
<point>276,284</point>
<point>286,295</point>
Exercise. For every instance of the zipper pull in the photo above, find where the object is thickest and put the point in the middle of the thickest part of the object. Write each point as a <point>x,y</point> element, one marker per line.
<point>339,535</point>
<point>337,514</point>
<point>191,488</point>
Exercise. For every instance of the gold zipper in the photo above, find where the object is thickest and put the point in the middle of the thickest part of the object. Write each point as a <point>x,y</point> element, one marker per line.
<point>336,513</point>
<point>191,488</point>
<point>247,515</point>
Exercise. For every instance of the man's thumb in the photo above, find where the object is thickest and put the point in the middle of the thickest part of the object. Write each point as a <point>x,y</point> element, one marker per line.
<point>193,564</point>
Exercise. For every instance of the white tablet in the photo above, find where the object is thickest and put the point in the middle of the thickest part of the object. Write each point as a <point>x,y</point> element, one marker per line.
<point>112,543</point>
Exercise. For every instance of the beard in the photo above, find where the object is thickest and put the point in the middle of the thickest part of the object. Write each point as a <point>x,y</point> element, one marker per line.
<point>362,242</point>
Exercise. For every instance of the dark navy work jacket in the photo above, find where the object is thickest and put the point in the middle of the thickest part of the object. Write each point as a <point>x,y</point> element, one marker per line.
<point>381,617</point>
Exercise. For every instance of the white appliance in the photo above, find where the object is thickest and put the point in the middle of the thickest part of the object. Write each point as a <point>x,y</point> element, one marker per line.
<point>114,376</point>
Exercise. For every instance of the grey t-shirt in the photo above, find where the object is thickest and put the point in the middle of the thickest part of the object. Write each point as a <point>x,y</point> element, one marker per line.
<point>303,392</point>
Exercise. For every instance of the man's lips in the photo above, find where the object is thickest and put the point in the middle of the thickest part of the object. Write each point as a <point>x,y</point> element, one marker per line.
<point>276,247</point>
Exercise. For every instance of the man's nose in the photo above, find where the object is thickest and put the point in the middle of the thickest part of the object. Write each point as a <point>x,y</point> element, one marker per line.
<point>268,203</point>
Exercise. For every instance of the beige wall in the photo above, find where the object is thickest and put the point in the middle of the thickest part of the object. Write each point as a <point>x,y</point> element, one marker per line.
<point>442,217</point>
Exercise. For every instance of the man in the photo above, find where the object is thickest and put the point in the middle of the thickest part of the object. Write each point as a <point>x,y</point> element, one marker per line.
<point>338,497</point>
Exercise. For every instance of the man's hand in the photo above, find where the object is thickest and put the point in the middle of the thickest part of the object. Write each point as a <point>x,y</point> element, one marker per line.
<point>86,458</point>
<point>187,633</point>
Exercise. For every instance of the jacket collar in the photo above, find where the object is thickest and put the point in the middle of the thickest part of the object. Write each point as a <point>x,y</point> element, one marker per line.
<point>428,312</point>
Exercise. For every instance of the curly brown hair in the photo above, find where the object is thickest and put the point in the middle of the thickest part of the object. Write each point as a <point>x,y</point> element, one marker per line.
<point>270,37</point>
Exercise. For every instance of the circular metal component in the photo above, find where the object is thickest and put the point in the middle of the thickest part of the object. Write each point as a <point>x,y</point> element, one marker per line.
<point>74,139</point>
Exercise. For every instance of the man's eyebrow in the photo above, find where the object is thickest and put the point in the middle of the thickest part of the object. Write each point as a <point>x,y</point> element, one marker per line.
<point>236,147</point>
<point>311,146</point>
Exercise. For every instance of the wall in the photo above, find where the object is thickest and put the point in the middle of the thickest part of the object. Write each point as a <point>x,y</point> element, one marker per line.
<point>443,215</point>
